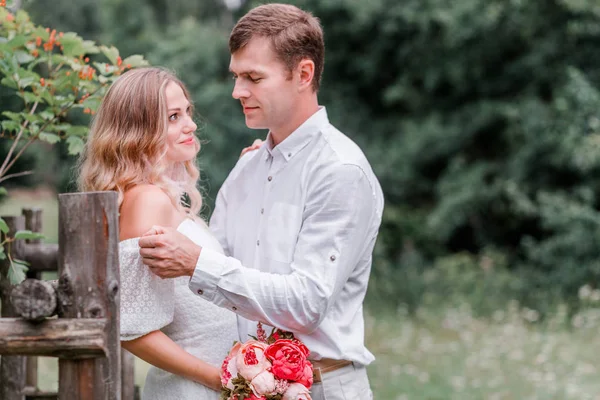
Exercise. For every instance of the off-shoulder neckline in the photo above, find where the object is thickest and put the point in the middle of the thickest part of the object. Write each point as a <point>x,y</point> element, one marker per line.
<point>136,239</point>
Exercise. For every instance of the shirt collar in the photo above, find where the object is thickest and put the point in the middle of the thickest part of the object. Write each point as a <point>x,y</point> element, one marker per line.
<point>302,136</point>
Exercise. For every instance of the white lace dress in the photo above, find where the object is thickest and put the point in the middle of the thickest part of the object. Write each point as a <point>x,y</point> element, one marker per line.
<point>149,303</point>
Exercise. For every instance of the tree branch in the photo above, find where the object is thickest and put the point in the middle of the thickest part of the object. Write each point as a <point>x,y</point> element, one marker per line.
<point>34,137</point>
<point>15,175</point>
<point>4,168</point>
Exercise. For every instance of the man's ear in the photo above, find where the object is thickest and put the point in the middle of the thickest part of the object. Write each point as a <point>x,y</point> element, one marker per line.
<point>306,73</point>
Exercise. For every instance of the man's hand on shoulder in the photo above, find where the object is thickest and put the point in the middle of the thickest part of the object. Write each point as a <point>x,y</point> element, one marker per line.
<point>169,253</point>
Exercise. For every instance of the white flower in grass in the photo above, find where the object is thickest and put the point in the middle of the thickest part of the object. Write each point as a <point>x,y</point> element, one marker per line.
<point>584,292</point>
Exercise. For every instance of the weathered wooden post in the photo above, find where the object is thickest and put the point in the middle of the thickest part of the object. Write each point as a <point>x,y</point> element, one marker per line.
<point>89,288</point>
<point>128,388</point>
<point>33,222</point>
<point>12,368</point>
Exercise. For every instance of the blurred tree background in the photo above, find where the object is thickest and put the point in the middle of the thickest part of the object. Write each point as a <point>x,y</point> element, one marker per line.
<point>480,118</point>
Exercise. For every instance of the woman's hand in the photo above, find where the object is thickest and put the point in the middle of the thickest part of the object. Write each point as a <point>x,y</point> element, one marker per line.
<point>255,146</point>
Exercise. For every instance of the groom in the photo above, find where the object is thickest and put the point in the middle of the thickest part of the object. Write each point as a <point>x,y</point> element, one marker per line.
<point>298,218</point>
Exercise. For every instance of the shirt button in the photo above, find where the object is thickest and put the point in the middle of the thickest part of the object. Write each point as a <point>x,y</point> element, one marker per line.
<point>289,154</point>
<point>234,308</point>
<point>332,258</point>
<point>258,242</point>
<point>270,178</point>
<point>200,292</point>
<point>262,210</point>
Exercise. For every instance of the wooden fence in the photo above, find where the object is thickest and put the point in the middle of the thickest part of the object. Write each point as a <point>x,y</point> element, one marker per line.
<point>75,318</point>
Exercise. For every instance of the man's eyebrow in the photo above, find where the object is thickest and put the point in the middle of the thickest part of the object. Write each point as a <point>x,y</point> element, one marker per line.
<point>249,72</point>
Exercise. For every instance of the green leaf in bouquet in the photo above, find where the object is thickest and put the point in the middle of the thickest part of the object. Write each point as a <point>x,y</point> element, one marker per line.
<point>274,396</point>
<point>225,394</point>
<point>3,192</point>
<point>2,254</point>
<point>27,234</point>
<point>241,388</point>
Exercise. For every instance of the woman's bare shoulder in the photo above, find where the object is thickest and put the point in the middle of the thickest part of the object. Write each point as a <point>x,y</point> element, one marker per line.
<point>144,206</point>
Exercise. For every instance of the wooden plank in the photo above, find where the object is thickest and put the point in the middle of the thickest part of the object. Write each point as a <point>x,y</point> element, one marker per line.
<point>33,222</point>
<point>72,338</point>
<point>42,257</point>
<point>89,288</point>
<point>12,368</point>
<point>35,394</point>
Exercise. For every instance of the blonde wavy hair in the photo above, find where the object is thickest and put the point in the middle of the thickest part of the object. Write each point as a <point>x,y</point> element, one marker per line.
<point>127,144</point>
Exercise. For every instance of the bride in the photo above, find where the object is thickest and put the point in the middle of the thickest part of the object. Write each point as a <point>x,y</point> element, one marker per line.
<point>142,146</point>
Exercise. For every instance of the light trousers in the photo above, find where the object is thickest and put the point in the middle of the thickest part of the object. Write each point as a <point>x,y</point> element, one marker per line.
<point>348,383</point>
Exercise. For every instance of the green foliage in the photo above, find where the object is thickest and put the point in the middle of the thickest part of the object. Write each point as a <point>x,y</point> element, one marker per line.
<point>52,75</point>
<point>480,119</point>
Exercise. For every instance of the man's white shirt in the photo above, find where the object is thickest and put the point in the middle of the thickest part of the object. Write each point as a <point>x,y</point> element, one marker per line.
<point>298,223</point>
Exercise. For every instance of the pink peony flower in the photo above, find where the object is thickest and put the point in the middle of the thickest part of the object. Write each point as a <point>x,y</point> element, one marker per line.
<point>288,358</point>
<point>296,391</point>
<point>281,385</point>
<point>307,375</point>
<point>263,383</point>
<point>228,368</point>
<point>251,360</point>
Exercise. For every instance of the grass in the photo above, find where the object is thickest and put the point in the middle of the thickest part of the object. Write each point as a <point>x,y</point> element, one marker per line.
<point>453,356</point>
<point>445,353</point>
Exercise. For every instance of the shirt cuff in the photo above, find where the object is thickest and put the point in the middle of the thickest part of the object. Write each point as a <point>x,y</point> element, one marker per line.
<point>208,272</point>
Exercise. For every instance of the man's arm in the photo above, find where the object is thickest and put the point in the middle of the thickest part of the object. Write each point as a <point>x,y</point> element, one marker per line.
<point>332,240</point>
<point>334,235</point>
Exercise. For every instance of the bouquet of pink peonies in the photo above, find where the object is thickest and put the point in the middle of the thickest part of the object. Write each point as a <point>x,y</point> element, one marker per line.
<point>267,368</point>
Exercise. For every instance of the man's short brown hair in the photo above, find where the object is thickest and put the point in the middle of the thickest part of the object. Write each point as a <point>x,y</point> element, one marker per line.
<point>294,33</point>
